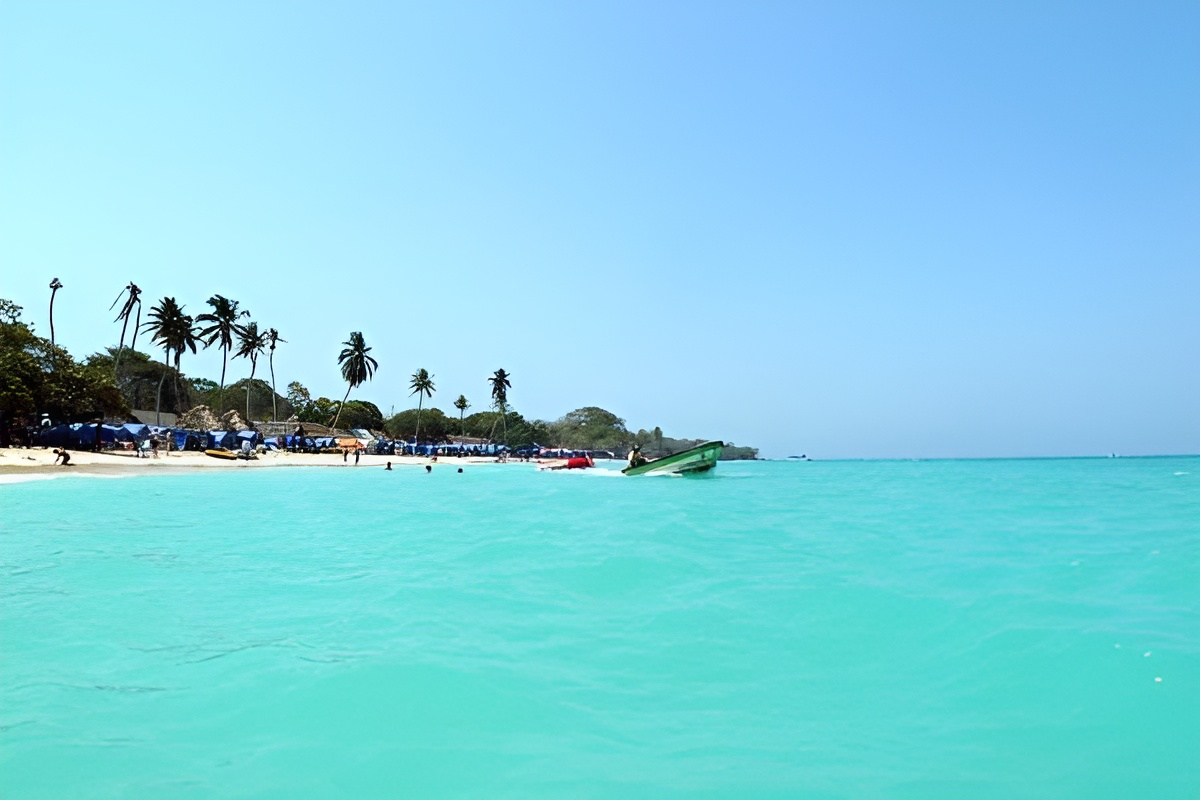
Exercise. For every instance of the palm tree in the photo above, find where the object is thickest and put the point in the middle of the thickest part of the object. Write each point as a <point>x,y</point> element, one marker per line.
<point>462,405</point>
<point>183,337</point>
<point>500,386</point>
<point>55,285</point>
<point>422,387</point>
<point>251,343</point>
<point>357,367</point>
<point>132,299</point>
<point>272,338</point>
<point>222,327</point>
<point>164,326</point>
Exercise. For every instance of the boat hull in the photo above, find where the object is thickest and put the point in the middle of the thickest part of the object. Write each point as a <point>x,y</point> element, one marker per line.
<point>689,462</point>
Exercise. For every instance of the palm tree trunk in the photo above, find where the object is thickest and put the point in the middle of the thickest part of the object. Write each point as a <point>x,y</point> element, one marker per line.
<point>274,412</point>
<point>248,384</point>
<point>462,427</point>
<point>158,399</point>
<point>120,346</point>
<point>221,392</point>
<point>338,415</point>
<point>417,435</point>
<point>175,381</point>
<point>54,355</point>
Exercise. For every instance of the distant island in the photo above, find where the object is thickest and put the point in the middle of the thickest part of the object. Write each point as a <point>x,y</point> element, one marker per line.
<point>41,381</point>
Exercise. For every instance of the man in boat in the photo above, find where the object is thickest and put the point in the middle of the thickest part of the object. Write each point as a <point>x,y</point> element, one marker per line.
<point>636,459</point>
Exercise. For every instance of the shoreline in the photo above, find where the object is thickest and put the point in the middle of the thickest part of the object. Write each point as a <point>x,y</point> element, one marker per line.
<point>20,465</point>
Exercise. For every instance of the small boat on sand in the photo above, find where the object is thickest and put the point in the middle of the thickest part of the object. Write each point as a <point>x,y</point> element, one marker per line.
<point>230,455</point>
<point>690,462</point>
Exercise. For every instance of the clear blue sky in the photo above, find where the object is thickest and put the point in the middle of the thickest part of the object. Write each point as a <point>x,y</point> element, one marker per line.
<point>844,229</point>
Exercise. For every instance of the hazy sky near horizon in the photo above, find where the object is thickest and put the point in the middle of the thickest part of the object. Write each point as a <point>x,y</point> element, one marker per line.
<point>843,229</point>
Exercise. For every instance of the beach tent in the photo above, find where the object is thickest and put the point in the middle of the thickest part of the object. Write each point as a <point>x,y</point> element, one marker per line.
<point>248,436</point>
<point>187,440</point>
<point>226,439</point>
<point>85,435</point>
<point>134,432</point>
<point>58,436</point>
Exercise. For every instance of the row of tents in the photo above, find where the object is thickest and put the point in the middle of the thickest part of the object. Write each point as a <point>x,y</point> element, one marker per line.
<point>84,437</point>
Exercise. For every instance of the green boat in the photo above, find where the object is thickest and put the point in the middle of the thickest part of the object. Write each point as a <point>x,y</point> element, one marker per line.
<point>689,462</point>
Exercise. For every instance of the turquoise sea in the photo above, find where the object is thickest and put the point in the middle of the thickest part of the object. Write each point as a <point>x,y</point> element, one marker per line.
<point>890,629</point>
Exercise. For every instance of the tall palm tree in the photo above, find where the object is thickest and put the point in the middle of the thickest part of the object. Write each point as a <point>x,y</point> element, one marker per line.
<point>462,405</point>
<point>132,300</point>
<point>164,324</point>
<point>222,326</point>
<point>500,386</point>
<point>55,285</point>
<point>272,338</point>
<point>422,386</point>
<point>251,344</point>
<point>183,337</point>
<point>357,367</point>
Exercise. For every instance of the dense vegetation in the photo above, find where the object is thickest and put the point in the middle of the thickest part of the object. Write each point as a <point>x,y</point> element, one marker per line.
<point>37,377</point>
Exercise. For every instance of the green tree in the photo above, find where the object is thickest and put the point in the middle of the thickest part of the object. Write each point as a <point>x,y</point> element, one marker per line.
<point>357,366</point>
<point>251,344</point>
<point>435,424</point>
<point>222,326</point>
<point>30,383</point>
<point>462,405</point>
<point>300,399</point>
<point>361,414</point>
<point>591,428</point>
<point>422,386</point>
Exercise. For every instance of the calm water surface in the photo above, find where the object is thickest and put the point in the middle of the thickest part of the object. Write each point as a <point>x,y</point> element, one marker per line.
<point>946,629</point>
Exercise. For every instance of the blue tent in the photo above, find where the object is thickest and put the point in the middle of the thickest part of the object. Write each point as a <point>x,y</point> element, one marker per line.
<point>85,435</point>
<point>248,436</point>
<point>226,439</point>
<point>58,436</point>
<point>188,440</point>
<point>134,431</point>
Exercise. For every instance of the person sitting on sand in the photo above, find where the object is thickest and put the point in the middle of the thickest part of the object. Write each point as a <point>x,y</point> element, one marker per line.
<point>636,459</point>
<point>64,455</point>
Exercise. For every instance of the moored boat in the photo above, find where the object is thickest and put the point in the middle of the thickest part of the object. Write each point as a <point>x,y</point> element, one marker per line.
<point>698,459</point>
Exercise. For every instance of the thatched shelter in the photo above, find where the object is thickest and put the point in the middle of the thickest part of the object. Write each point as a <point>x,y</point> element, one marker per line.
<point>200,418</point>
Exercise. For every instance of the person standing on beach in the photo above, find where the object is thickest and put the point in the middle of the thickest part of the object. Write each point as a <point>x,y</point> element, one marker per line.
<point>357,453</point>
<point>345,455</point>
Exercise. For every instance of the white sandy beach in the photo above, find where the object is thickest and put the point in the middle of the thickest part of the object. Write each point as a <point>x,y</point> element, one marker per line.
<point>23,464</point>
